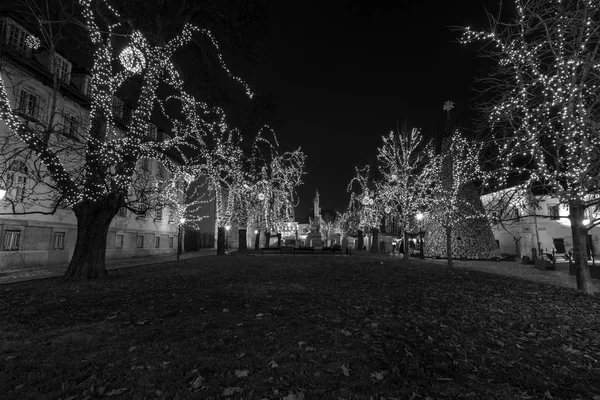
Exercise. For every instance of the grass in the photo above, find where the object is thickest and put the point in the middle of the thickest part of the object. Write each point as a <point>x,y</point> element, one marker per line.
<point>282,327</point>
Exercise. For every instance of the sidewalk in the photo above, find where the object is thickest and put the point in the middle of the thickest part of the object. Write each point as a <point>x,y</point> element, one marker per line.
<point>558,277</point>
<point>40,272</point>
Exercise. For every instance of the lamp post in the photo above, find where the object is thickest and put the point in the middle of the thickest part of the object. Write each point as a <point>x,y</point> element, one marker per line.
<point>181,222</point>
<point>227,236</point>
<point>420,219</point>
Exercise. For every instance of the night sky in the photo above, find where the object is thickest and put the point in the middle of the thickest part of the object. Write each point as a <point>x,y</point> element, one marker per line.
<point>345,72</point>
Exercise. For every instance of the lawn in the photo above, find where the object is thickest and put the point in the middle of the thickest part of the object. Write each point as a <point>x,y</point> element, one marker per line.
<point>303,327</point>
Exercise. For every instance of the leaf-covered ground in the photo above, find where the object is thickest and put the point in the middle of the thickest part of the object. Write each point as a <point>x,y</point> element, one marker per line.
<point>304,327</point>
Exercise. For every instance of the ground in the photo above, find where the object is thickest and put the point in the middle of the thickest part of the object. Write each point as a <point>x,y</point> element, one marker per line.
<point>283,327</point>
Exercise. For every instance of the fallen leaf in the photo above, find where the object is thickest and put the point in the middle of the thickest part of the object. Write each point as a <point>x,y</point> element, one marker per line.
<point>259,315</point>
<point>116,392</point>
<point>377,375</point>
<point>225,310</point>
<point>231,390</point>
<point>197,382</point>
<point>345,370</point>
<point>345,332</point>
<point>308,348</point>
<point>547,395</point>
<point>241,373</point>
<point>273,364</point>
<point>300,344</point>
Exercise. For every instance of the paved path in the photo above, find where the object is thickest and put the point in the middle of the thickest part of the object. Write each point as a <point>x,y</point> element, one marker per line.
<point>558,277</point>
<point>10,275</point>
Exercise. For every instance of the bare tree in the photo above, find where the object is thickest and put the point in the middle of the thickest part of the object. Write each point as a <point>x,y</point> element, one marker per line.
<point>99,168</point>
<point>452,171</point>
<point>544,109</point>
<point>402,160</point>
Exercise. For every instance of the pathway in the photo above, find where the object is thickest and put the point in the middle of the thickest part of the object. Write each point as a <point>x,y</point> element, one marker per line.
<point>11,275</point>
<point>558,277</point>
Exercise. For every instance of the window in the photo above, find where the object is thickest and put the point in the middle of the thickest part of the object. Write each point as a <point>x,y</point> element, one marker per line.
<point>145,164</point>
<point>140,242</point>
<point>516,216</point>
<point>142,208</point>
<point>119,242</point>
<point>156,242</point>
<point>58,241</point>
<point>171,242</point>
<point>17,181</point>
<point>158,213</point>
<point>70,126</point>
<point>152,131</point>
<point>161,170</point>
<point>16,38</point>
<point>62,68</point>
<point>11,240</point>
<point>122,212</point>
<point>495,220</point>
<point>29,104</point>
<point>553,211</point>
<point>117,107</point>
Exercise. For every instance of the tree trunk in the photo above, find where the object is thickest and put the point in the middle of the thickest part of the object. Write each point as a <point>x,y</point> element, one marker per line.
<point>267,239</point>
<point>221,241</point>
<point>449,246</point>
<point>257,241</point>
<point>360,239</point>
<point>579,232</point>
<point>406,246</point>
<point>375,243</point>
<point>89,255</point>
<point>279,240</point>
<point>242,245</point>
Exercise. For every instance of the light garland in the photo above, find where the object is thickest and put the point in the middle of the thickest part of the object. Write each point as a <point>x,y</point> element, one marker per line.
<point>132,59</point>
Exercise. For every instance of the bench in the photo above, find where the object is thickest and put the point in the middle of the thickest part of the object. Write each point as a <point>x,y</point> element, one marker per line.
<point>304,250</point>
<point>270,250</point>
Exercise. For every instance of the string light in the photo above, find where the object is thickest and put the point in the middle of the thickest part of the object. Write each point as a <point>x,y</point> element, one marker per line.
<point>132,59</point>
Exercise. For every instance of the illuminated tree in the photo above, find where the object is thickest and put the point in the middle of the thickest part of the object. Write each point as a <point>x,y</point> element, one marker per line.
<point>101,169</point>
<point>402,160</point>
<point>453,173</point>
<point>544,110</point>
<point>367,204</point>
<point>348,221</point>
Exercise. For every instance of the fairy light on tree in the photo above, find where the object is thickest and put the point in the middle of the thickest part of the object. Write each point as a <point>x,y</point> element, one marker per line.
<point>365,190</point>
<point>451,173</point>
<point>99,173</point>
<point>544,117</point>
<point>132,59</point>
<point>402,160</point>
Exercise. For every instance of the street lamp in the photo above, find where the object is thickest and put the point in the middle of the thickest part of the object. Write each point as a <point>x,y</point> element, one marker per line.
<point>420,219</point>
<point>181,222</point>
<point>227,235</point>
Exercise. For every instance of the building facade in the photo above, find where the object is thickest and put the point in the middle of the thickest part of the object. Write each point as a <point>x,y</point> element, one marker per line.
<point>522,222</point>
<point>27,236</point>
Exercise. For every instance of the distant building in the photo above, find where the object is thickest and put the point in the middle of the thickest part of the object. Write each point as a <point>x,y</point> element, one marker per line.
<point>519,227</point>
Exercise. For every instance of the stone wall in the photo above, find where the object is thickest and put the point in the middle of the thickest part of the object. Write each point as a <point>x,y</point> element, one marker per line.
<point>471,239</point>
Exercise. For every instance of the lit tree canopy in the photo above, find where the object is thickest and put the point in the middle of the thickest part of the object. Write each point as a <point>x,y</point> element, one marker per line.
<point>101,168</point>
<point>544,110</point>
